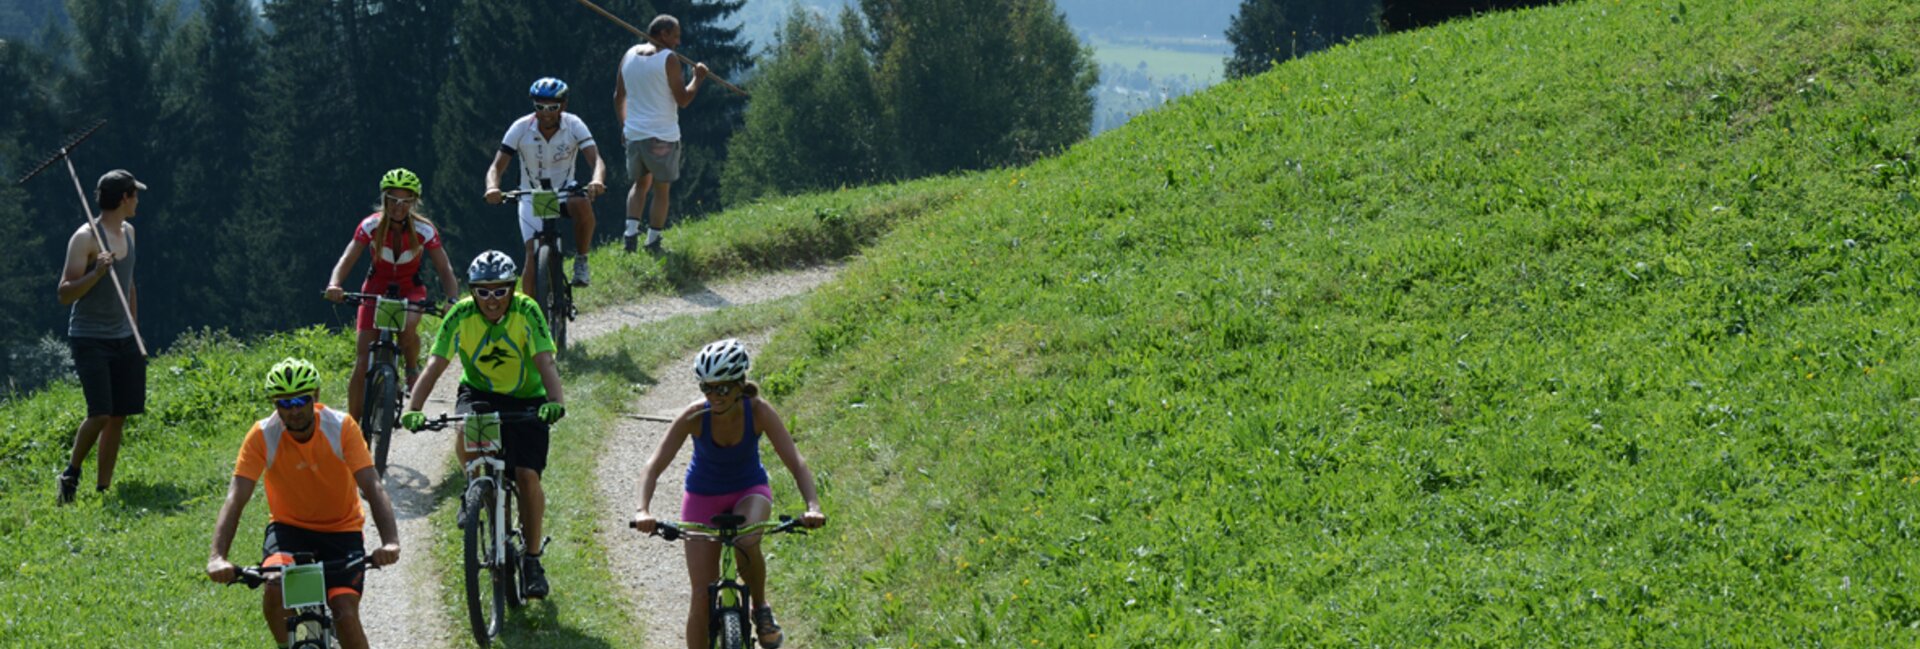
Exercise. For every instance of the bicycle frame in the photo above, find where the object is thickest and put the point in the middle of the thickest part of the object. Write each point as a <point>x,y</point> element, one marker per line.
<point>490,472</point>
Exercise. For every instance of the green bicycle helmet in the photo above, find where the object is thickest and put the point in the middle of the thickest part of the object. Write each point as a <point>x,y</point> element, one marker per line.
<point>292,376</point>
<point>400,178</point>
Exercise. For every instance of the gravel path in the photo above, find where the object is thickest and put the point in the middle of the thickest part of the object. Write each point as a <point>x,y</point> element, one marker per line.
<point>405,608</point>
<point>654,572</point>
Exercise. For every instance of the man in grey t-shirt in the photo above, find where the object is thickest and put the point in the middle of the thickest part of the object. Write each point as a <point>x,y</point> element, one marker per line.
<point>112,369</point>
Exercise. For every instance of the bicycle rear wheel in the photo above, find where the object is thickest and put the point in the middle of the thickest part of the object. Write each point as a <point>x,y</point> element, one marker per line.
<point>383,399</point>
<point>486,603</point>
<point>550,286</point>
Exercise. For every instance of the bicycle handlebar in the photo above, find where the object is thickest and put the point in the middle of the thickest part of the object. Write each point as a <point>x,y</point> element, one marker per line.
<point>562,192</point>
<point>445,420</point>
<point>254,576</point>
<point>428,307</point>
<point>673,532</point>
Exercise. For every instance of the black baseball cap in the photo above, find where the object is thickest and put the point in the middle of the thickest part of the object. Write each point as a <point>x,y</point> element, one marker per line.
<point>119,181</point>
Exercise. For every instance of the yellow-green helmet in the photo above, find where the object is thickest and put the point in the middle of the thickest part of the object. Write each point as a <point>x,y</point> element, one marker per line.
<point>400,178</point>
<point>292,376</point>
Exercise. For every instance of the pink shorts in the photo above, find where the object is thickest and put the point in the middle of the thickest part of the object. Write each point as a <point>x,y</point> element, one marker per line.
<point>698,508</point>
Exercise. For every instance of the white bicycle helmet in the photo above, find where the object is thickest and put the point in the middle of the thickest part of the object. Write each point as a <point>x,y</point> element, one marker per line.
<point>492,267</point>
<point>725,360</point>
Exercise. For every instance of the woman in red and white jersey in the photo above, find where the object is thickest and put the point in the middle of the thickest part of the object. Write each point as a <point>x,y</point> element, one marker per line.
<point>401,238</point>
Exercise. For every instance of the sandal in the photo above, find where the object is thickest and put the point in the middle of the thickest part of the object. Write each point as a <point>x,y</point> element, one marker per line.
<point>763,624</point>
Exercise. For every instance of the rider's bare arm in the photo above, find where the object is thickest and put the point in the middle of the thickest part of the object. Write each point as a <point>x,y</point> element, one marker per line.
<point>776,432</point>
<point>550,376</point>
<point>423,387</point>
<point>383,520</point>
<point>238,493</point>
<point>449,286</point>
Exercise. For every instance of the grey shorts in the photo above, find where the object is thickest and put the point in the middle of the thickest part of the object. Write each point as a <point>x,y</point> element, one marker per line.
<point>654,156</point>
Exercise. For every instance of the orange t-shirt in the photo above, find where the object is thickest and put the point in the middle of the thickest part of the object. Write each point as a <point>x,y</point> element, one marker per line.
<point>308,485</point>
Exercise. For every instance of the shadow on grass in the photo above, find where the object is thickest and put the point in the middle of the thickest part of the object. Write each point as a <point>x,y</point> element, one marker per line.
<point>151,496</point>
<point>539,625</point>
<point>610,360</point>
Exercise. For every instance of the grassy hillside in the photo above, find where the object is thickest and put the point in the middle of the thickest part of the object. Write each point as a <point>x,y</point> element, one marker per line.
<point>1578,326</point>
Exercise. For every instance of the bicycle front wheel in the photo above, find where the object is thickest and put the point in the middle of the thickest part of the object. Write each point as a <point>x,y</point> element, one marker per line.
<point>507,577</point>
<point>733,630</point>
<point>383,399</point>
<point>550,288</point>
<point>486,603</point>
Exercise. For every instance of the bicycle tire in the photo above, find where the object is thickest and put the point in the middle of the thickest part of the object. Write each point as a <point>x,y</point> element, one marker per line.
<point>309,634</point>
<point>549,288</point>
<point>510,579</point>
<point>383,393</point>
<point>478,546</point>
<point>733,630</point>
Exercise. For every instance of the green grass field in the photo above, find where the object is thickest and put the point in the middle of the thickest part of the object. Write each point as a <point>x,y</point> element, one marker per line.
<point>1579,326</point>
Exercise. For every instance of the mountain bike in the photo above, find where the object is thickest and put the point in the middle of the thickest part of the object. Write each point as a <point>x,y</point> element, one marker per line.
<point>492,540</point>
<point>550,286</point>
<point>729,626</point>
<point>303,592</point>
<point>384,398</point>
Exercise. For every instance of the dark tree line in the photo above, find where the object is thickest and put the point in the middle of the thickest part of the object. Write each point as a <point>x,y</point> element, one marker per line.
<point>263,128</point>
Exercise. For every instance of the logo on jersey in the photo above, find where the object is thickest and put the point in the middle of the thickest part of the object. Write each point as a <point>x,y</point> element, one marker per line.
<point>496,356</point>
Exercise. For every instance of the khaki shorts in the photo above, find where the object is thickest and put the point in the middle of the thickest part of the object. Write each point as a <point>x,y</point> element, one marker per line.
<point>654,156</point>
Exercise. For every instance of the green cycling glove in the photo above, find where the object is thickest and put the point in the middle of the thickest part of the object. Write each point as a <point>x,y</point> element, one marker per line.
<point>552,412</point>
<point>413,420</point>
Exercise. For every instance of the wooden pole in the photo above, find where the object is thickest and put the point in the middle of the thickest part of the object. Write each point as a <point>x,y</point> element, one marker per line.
<point>636,32</point>
<point>93,225</point>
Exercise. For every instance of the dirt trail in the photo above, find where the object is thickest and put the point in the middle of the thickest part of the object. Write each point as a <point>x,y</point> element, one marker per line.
<point>404,607</point>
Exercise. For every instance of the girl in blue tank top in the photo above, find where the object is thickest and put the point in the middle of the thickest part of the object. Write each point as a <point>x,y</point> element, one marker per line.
<point>726,476</point>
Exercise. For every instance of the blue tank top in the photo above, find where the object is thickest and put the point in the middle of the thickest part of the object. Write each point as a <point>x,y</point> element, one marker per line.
<point>717,469</point>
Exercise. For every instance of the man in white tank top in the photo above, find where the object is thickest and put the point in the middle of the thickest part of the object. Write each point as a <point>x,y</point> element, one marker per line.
<point>649,91</point>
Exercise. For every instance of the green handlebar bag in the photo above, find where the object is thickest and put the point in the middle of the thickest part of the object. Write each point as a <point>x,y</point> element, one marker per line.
<point>546,205</point>
<point>483,432</point>
<point>303,586</point>
<point>389,314</point>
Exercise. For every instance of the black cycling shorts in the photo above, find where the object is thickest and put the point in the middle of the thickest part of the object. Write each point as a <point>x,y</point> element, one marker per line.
<point>524,440</point>
<point>284,539</point>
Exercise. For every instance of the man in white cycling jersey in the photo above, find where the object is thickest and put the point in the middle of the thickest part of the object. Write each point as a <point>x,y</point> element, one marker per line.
<point>547,141</point>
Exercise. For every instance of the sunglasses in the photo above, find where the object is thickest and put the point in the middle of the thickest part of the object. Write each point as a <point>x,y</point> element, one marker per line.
<point>716,389</point>
<point>396,200</point>
<point>489,293</point>
<point>294,402</point>
<point>547,108</point>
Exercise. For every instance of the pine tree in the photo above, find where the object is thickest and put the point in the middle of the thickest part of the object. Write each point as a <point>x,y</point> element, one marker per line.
<point>313,176</point>
<point>816,120</point>
<point>212,100</point>
<point>1269,31</point>
<point>981,83</point>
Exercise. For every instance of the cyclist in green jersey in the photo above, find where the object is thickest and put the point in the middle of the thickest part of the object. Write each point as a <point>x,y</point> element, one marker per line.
<point>506,360</point>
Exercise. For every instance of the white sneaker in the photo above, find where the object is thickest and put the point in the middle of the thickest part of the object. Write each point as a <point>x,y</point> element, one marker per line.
<point>580,274</point>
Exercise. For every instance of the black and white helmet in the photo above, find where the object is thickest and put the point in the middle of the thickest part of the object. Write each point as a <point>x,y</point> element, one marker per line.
<point>492,267</point>
<point>726,360</point>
